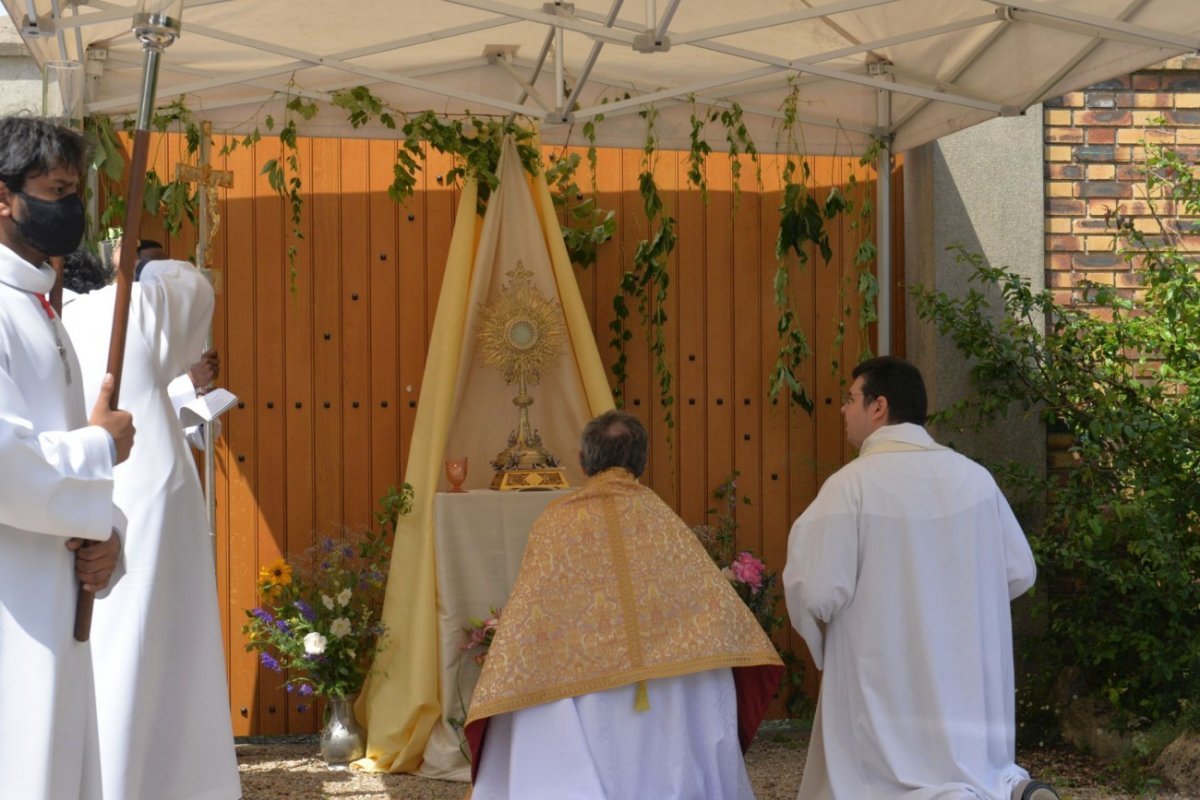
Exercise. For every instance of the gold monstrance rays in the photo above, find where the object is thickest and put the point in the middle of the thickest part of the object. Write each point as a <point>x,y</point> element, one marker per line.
<point>520,333</point>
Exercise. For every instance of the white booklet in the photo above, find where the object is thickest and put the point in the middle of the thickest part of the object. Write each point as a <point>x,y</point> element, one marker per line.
<point>207,407</point>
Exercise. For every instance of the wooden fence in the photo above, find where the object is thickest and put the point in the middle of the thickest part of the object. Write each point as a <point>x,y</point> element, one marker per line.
<point>327,353</point>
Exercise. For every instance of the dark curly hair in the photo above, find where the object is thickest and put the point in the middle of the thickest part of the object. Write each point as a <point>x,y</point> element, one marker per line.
<point>84,271</point>
<point>30,146</point>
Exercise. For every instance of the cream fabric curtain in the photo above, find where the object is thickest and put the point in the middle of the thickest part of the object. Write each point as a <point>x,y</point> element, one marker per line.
<point>466,409</point>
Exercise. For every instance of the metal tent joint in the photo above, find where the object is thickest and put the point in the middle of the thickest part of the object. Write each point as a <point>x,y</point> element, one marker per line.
<point>651,42</point>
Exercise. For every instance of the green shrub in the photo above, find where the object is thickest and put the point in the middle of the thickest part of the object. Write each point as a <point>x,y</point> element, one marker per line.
<point>1118,536</point>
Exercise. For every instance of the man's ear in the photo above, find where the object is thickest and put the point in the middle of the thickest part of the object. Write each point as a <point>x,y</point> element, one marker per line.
<point>5,200</point>
<point>883,411</point>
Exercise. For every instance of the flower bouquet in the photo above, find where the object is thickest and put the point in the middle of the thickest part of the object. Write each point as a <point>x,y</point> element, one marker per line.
<point>749,576</point>
<point>319,617</point>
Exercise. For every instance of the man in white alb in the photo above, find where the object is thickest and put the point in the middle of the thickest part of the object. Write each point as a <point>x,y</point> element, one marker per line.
<point>56,487</point>
<point>160,674</point>
<point>899,577</point>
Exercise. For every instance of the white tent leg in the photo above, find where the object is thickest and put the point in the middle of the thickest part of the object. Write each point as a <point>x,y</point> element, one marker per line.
<point>883,227</point>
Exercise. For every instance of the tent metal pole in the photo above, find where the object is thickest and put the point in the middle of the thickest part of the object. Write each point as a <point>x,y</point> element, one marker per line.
<point>883,225</point>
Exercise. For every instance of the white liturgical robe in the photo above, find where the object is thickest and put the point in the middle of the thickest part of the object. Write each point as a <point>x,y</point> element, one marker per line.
<point>55,483</point>
<point>909,558</point>
<point>163,702</point>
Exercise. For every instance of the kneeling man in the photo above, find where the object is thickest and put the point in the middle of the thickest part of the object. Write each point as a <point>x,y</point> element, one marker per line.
<point>624,665</point>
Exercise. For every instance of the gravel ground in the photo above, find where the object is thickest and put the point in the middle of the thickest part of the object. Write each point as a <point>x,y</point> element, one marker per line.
<point>290,767</point>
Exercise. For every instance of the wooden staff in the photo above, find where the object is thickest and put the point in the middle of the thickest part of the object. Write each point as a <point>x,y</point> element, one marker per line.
<point>116,345</point>
<point>156,27</point>
<point>56,291</point>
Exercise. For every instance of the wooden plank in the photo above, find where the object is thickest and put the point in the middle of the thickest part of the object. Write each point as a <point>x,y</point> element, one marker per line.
<point>383,328</point>
<point>664,437</point>
<point>747,364</point>
<point>410,304</point>
<point>356,335</point>
<point>638,399</point>
<point>327,334</point>
<point>585,278</point>
<point>719,322</point>
<point>690,438</point>
<point>610,258</point>
<point>803,427</point>
<point>826,350</point>
<point>239,436</point>
<point>440,208</point>
<point>776,471</point>
<point>776,521</point>
<point>221,470</point>
<point>269,268</point>
<point>185,243</point>
<point>160,161</point>
<point>298,400</point>
<point>855,229</point>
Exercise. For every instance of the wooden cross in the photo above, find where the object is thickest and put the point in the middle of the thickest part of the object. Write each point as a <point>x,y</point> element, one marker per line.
<point>207,180</point>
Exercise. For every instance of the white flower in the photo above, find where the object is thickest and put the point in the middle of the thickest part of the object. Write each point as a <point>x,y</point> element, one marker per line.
<point>327,601</point>
<point>343,597</point>
<point>314,643</point>
<point>351,652</point>
<point>339,627</point>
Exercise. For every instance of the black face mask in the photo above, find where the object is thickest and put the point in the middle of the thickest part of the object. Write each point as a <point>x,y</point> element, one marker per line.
<point>53,227</point>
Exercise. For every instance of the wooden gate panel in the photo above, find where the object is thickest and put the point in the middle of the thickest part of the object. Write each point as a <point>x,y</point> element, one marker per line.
<point>311,463</point>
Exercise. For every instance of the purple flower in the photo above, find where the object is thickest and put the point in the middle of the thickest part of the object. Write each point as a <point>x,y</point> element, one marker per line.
<point>301,708</point>
<point>306,690</point>
<point>282,624</point>
<point>288,687</point>
<point>327,544</point>
<point>348,551</point>
<point>264,616</point>
<point>306,610</point>
<point>324,565</point>
<point>269,662</point>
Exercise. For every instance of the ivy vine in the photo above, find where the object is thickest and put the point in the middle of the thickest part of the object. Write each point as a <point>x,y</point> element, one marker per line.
<point>474,142</point>
<point>647,282</point>
<point>803,222</point>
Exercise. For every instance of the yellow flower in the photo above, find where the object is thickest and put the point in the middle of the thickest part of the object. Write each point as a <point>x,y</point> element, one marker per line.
<point>273,577</point>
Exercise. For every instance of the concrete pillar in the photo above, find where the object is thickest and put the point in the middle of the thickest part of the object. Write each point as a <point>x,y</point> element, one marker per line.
<point>982,187</point>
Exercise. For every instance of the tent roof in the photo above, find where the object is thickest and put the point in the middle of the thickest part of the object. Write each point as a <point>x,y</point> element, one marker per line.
<point>944,64</point>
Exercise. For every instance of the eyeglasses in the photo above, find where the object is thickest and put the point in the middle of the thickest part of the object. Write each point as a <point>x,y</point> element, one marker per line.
<point>847,397</point>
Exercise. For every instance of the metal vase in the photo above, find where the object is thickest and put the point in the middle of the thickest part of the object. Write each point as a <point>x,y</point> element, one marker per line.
<point>342,740</point>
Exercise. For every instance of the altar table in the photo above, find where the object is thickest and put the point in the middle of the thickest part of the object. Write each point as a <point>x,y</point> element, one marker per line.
<point>479,539</point>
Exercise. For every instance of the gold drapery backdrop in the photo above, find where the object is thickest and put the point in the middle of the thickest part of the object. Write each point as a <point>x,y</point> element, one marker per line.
<point>465,409</point>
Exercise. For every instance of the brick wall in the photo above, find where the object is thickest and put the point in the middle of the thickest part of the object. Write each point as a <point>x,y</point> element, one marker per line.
<point>1094,166</point>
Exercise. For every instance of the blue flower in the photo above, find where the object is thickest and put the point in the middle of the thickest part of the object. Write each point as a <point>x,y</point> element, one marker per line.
<point>348,551</point>
<point>327,544</point>
<point>283,625</point>
<point>306,690</point>
<point>264,616</point>
<point>306,610</point>
<point>301,708</point>
<point>269,662</point>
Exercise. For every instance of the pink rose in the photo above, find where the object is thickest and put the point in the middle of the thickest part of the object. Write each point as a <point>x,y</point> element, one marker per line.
<point>748,569</point>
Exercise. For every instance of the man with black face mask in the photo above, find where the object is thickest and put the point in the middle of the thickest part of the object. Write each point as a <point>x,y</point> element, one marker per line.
<point>58,524</point>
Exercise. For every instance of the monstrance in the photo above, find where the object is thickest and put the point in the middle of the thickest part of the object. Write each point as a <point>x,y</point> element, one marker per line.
<point>520,333</point>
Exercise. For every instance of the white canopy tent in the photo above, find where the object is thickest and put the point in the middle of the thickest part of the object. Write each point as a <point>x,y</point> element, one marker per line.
<point>902,72</point>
